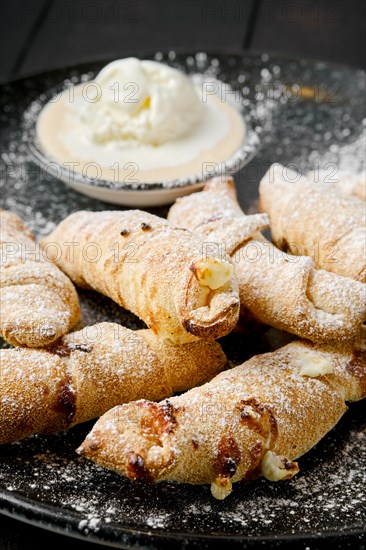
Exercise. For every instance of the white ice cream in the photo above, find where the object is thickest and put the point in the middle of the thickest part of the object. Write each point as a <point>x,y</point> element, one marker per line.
<point>144,101</point>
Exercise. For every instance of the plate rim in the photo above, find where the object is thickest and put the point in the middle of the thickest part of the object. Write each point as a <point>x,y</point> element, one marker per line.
<point>37,508</point>
<point>140,536</point>
<point>239,159</point>
<point>185,51</point>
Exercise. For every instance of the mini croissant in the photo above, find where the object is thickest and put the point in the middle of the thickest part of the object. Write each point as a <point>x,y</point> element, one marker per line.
<point>315,220</point>
<point>277,289</point>
<point>87,372</point>
<point>151,268</point>
<point>38,303</point>
<point>253,419</point>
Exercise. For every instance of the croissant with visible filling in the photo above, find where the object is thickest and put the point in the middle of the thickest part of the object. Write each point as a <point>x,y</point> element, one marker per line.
<point>283,291</point>
<point>254,419</point>
<point>151,268</point>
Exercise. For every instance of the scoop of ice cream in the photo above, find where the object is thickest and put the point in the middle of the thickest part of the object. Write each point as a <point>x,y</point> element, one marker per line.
<point>143,101</point>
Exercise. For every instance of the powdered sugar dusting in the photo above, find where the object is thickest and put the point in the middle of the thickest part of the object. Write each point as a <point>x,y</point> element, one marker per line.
<point>329,493</point>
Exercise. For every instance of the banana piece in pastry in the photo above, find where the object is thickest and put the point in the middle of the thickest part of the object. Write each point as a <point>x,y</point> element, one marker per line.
<point>38,303</point>
<point>255,419</point>
<point>275,288</point>
<point>151,268</point>
<point>87,372</point>
<point>314,220</point>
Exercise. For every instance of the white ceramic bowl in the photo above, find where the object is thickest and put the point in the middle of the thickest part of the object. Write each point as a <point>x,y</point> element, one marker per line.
<point>137,194</point>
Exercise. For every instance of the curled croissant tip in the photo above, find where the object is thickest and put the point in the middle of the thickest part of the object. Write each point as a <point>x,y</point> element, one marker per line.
<point>89,445</point>
<point>220,181</point>
<point>80,450</point>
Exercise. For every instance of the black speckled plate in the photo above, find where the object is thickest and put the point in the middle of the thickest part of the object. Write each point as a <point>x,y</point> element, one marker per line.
<point>318,119</point>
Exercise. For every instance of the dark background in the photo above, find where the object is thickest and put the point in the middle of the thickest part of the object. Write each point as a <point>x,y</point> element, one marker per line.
<point>37,35</point>
<point>44,34</point>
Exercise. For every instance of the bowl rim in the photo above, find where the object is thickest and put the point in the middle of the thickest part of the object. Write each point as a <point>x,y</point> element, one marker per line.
<point>254,127</point>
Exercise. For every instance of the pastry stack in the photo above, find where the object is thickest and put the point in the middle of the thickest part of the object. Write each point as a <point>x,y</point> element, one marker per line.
<point>191,279</point>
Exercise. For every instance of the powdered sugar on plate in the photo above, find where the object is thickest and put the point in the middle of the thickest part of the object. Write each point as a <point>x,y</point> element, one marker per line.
<point>63,489</point>
<point>328,494</point>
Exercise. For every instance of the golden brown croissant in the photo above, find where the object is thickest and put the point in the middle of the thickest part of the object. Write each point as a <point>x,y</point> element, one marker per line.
<point>253,419</point>
<point>314,220</point>
<point>283,291</point>
<point>89,371</point>
<point>155,270</point>
<point>38,303</point>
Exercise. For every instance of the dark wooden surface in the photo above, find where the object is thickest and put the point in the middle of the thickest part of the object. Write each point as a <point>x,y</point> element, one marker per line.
<point>37,35</point>
<point>333,30</point>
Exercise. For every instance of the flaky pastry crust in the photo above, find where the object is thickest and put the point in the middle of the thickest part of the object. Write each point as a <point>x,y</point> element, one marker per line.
<point>257,418</point>
<point>275,288</point>
<point>151,268</point>
<point>315,220</point>
<point>88,372</point>
<point>38,303</point>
